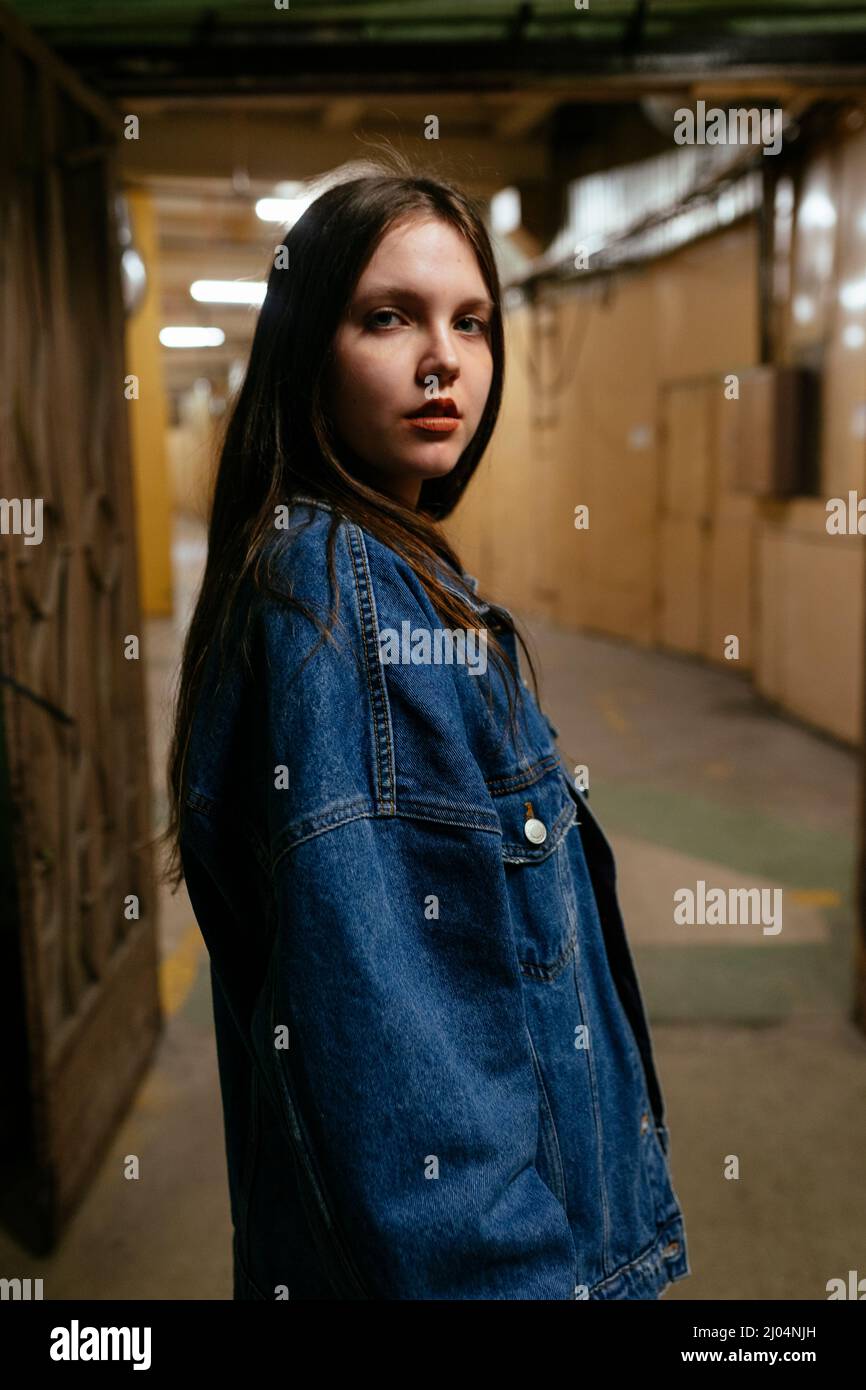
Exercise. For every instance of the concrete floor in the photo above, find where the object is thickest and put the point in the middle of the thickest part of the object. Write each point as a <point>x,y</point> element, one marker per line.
<point>692,776</point>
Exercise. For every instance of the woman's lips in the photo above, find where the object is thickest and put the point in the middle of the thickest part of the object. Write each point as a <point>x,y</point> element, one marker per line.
<point>434,424</point>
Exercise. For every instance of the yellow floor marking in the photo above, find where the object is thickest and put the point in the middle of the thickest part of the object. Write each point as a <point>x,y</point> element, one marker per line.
<point>815,897</point>
<point>177,972</point>
<point>612,715</point>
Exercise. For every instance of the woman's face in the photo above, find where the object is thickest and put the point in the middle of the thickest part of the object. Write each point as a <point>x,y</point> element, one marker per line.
<point>417,324</point>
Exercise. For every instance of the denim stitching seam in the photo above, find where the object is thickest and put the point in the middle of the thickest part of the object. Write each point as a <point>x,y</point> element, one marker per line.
<point>382,731</point>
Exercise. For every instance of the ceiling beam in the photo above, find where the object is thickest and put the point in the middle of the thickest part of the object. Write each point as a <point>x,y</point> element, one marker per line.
<point>270,147</point>
<point>342,69</point>
<point>342,113</point>
<point>522,115</point>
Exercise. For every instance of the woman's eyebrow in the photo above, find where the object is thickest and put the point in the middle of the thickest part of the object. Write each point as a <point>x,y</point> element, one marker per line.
<point>403,292</point>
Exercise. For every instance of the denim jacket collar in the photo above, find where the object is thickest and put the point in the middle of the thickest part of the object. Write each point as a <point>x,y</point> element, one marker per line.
<point>468,579</point>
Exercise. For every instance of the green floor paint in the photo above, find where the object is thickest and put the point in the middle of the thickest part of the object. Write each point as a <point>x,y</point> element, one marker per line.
<point>798,855</point>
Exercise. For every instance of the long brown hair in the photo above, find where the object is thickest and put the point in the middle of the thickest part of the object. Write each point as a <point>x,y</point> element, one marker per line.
<point>279,441</point>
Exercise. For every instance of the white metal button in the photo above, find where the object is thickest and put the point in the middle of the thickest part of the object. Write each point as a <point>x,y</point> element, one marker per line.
<point>535,830</point>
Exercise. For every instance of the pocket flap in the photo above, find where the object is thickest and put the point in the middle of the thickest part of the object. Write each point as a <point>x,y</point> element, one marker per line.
<point>544,808</point>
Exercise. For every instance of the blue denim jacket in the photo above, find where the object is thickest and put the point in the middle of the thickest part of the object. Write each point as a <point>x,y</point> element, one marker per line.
<point>436,1072</point>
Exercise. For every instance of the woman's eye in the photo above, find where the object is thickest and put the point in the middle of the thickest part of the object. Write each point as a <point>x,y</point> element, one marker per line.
<point>389,313</point>
<point>375,321</point>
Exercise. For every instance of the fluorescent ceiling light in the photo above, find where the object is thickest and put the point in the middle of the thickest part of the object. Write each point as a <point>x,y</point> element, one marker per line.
<point>284,210</point>
<point>177,337</point>
<point>228,291</point>
<point>505,211</point>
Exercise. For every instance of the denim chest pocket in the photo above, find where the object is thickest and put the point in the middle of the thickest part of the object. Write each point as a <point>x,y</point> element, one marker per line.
<point>536,819</point>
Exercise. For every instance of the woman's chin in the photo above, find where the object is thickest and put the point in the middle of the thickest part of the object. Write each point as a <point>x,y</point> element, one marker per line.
<point>431,460</point>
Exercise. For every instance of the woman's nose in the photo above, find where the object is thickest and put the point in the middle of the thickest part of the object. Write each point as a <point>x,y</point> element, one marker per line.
<point>441,359</point>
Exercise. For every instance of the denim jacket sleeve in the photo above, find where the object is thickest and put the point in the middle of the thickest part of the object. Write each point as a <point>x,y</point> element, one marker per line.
<point>402,1058</point>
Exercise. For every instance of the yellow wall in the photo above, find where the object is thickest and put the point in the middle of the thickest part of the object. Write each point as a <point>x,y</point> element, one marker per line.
<point>614,399</point>
<point>581,425</point>
<point>193,451</point>
<point>147,422</point>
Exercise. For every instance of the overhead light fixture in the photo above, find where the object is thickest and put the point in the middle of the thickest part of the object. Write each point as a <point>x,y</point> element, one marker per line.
<point>283,210</point>
<point>182,337</point>
<point>505,210</point>
<point>228,291</point>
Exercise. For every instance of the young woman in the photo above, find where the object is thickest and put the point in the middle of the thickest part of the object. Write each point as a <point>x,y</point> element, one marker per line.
<point>436,1073</point>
